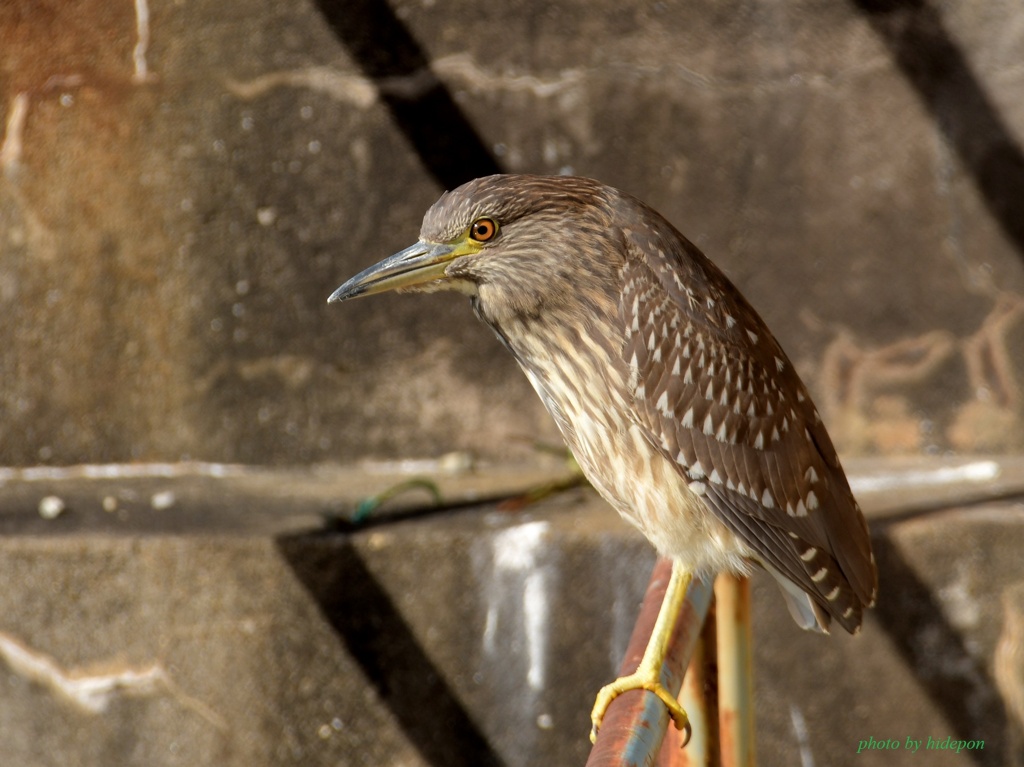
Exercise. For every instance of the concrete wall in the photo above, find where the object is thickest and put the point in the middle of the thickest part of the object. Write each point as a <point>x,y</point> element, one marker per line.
<point>183,184</point>
<point>228,629</point>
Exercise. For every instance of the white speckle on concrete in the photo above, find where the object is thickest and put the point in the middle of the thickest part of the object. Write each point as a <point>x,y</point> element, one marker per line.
<point>802,740</point>
<point>518,578</point>
<point>51,507</point>
<point>960,604</point>
<point>516,548</point>
<point>975,471</point>
<point>535,613</point>
<point>118,471</point>
<point>163,500</point>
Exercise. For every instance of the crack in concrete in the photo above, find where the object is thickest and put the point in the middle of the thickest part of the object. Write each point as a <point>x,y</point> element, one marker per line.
<point>862,385</point>
<point>1008,661</point>
<point>94,691</point>
<point>363,92</point>
<point>341,86</point>
<point>10,149</point>
<point>462,67</point>
<point>141,74</point>
<point>990,365</point>
<point>463,70</point>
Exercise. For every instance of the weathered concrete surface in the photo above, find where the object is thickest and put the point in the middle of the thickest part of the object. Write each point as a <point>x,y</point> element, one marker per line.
<point>184,183</point>
<point>230,627</point>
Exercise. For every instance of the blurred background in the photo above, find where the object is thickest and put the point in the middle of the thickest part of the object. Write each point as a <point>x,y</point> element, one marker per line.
<point>184,182</point>
<point>184,186</point>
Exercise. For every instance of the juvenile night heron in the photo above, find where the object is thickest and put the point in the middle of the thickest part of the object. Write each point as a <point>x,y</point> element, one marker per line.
<point>678,403</point>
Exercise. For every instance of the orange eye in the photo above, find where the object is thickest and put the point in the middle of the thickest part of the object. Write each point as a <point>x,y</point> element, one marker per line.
<point>483,229</point>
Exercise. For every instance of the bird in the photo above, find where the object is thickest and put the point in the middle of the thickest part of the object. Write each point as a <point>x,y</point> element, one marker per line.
<point>677,402</point>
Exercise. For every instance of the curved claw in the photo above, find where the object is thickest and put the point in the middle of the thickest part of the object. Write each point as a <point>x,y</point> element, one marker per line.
<point>638,681</point>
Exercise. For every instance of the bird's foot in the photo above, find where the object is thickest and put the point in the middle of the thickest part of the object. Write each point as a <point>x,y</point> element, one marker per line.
<point>638,681</point>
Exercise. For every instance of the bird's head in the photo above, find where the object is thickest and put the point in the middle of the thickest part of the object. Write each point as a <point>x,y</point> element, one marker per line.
<point>510,240</point>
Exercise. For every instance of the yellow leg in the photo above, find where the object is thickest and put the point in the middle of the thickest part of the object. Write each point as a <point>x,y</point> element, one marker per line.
<point>648,674</point>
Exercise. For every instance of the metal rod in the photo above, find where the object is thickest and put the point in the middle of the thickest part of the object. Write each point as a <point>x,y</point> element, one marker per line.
<point>700,699</point>
<point>636,721</point>
<point>735,671</point>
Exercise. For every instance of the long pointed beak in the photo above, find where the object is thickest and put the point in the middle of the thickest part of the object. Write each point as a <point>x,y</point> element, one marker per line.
<point>416,265</point>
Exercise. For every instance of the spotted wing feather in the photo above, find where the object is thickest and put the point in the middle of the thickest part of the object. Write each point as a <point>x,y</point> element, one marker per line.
<point>717,395</point>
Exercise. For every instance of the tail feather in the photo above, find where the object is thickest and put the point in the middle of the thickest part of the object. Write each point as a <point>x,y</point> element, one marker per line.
<point>805,611</point>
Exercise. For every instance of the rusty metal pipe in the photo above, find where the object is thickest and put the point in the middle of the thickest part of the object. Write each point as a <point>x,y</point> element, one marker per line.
<point>700,699</point>
<point>735,671</point>
<point>636,721</point>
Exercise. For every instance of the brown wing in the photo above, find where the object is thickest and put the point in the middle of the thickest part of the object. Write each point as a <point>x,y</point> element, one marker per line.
<point>716,394</point>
